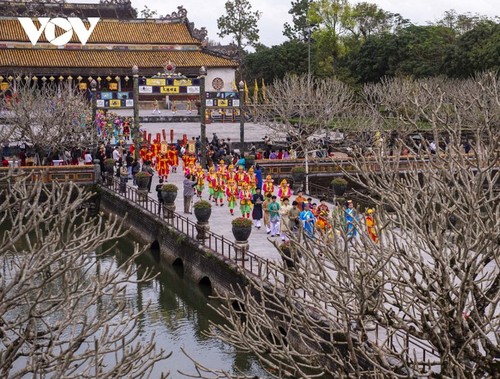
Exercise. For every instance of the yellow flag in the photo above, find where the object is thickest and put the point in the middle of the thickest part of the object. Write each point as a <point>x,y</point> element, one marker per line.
<point>235,89</point>
<point>255,92</point>
<point>246,93</point>
<point>263,89</point>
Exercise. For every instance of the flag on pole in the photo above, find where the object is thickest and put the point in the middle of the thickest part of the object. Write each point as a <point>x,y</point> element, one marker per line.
<point>263,89</point>
<point>246,93</point>
<point>255,92</point>
<point>235,89</point>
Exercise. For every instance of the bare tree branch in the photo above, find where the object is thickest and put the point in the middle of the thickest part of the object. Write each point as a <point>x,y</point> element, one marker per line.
<point>63,307</point>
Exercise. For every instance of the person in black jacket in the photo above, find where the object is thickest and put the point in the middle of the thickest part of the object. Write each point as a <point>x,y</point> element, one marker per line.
<point>257,214</point>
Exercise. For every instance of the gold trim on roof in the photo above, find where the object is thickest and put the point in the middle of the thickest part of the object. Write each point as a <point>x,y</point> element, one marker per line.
<point>100,58</point>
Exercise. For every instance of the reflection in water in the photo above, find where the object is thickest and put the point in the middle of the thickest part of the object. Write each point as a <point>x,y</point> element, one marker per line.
<point>179,316</point>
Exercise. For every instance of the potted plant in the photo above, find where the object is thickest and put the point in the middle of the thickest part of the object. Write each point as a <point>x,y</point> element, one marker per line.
<point>142,180</point>
<point>169,193</point>
<point>202,210</point>
<point>339,186</point>
<point>242,227</point>
<point>298,174</point>
<point>109,165</point>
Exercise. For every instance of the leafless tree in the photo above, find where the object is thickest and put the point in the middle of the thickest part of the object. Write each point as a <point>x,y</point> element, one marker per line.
<point>423,301</point>
<point>63,307</point>
<point>50,116</point>
<point>303,109</point>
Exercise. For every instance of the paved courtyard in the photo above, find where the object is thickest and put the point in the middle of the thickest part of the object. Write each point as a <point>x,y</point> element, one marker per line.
<point>260,243</point>
<point>253,132</point>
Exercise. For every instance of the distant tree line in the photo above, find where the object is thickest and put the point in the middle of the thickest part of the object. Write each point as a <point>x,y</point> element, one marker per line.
<point>362,43</point>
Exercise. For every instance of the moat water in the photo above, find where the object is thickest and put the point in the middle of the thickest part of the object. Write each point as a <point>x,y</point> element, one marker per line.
<point>179,315</point>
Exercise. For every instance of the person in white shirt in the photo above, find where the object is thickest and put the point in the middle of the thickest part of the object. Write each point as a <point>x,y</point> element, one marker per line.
<point>116,155</point>
<point>87,158</point>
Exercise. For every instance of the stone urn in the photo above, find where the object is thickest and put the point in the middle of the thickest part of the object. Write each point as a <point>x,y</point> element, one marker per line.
<point>142,180</point>
<point>109,166</point>
<point>241,228</point>
<point>339,186</point>
<point>109,170</point>
<point>202,211</point>
<point>169,194</point>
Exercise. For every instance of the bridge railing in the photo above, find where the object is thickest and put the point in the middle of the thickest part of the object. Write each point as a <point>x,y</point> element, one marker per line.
<point>335,165</point>
<point>249,261</point>
<point>395,340</point>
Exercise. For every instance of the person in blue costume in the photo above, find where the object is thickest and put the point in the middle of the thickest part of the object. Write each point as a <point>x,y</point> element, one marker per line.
<point>308,220</point>
<point>351,219</point>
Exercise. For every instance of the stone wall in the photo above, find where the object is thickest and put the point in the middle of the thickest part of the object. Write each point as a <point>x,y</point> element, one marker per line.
<point>198,262</point>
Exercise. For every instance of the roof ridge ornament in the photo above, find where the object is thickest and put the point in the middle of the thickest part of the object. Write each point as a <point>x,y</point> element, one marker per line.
<point>180,15</point>
<point>169,68</point>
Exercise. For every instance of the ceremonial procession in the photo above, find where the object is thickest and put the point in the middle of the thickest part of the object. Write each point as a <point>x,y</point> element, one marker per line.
<point>212,197</point>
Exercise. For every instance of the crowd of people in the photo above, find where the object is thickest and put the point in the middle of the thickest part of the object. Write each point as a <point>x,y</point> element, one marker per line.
<point>270,205</point>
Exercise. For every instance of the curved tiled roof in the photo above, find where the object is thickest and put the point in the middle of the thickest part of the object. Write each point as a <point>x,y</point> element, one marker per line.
<point>113,31</point>
<point>102,58</point>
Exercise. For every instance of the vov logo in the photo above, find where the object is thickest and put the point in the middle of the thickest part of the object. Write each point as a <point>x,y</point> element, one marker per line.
<point>69,25</point>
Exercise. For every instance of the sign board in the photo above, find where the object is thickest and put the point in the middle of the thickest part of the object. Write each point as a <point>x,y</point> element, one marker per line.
<point>145,89</point>
<point>155,82</point>
<point>169,89</point>
<point>183,82</point>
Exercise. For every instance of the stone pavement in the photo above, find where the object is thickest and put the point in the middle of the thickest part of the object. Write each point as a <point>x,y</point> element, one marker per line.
<point>260,243</point>
<point>253,132</point>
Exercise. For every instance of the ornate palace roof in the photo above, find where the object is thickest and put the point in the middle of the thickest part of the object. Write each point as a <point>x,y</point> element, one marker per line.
<point>112,31</point>
<point>114,45</point>
<point>64,58</point>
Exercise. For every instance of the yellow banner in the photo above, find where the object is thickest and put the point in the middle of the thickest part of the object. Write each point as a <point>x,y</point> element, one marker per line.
<point>113,86</point>
<point>155,82</point>
<point>183,82</point>
<point>115,103</point>
<point>169,89</point>
<point>4,86</point>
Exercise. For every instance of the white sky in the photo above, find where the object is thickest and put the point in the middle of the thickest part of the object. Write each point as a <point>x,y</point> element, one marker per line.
<point>275,12</point>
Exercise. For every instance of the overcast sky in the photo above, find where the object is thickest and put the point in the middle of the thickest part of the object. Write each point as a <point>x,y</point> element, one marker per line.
<point>275,12</point>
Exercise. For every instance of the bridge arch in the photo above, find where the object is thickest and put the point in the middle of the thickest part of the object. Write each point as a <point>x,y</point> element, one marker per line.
<point>155,250</point>
<point>178,262</point>
<point>205,285</point>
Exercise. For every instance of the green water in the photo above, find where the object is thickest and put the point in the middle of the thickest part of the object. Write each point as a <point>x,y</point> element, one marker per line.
<point>179,315</point>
